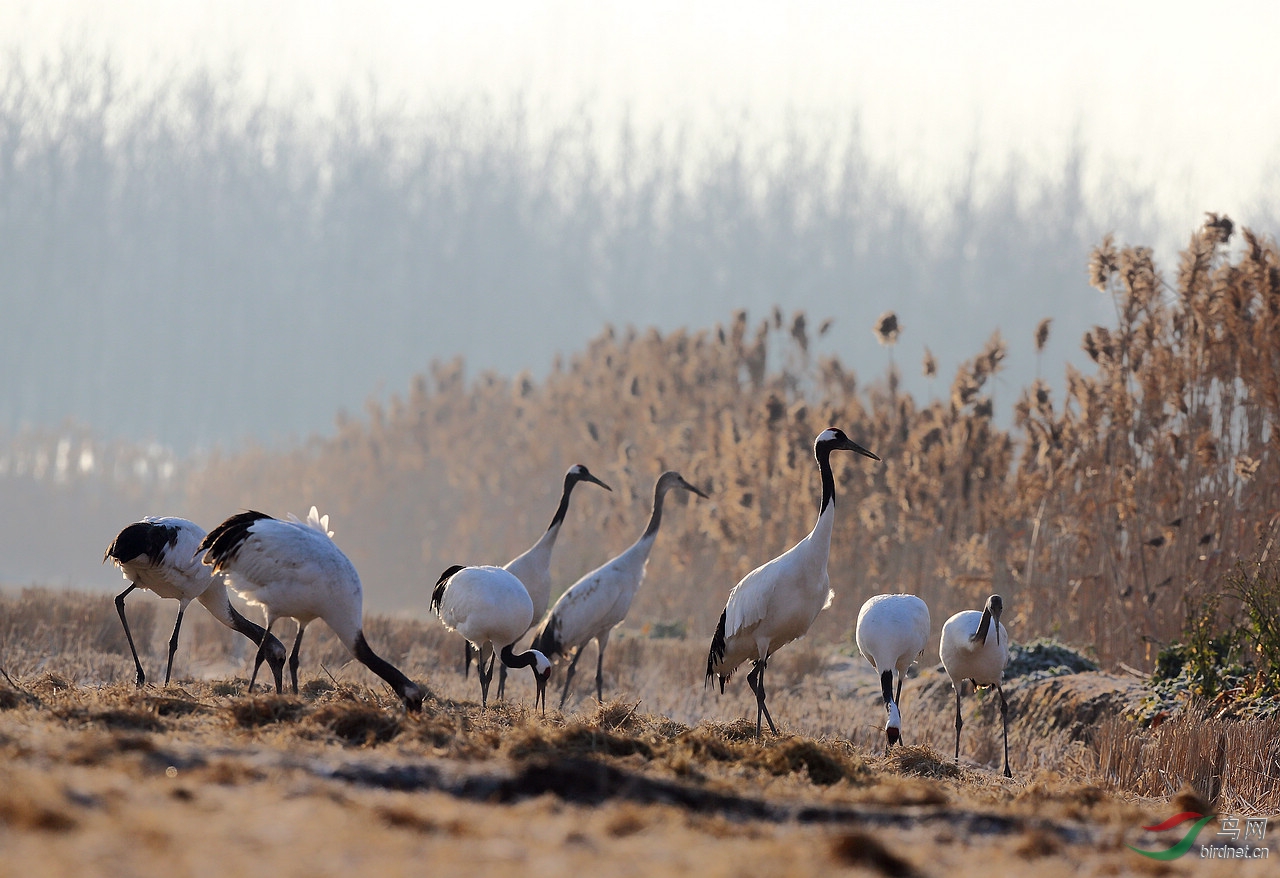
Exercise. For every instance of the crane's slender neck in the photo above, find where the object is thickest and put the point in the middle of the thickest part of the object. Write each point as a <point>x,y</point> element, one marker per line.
<point>655,519</point>
<point>984,628</point>
<point>563,508</point>
<point>403,686</point>
<point>821,535</point>
<point>828,480</point>
<point>249,629</point>
<point>526,659</point>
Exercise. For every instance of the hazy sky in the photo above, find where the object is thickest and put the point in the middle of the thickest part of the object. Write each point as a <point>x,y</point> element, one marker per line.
<point>1177,96</point>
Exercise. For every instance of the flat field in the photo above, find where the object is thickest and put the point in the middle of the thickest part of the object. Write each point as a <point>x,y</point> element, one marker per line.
<point>203,778</point>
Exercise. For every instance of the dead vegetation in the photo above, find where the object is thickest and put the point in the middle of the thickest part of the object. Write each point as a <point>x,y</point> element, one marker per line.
<point>1102,518</point>
<point>1112,500</point>
<point>597,780</point>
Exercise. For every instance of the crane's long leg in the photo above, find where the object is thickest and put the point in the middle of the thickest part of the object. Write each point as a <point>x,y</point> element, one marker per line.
<point>1004,718</point>
<point>601,642</point>
<point>467,652</point>
<point>293,657</point>
<point>755,680</point>
<point>485,673</point>
<point>142,678</point>
<point>255,634</point>
<point>897,697</point>
<point>959,722</point>
<point>173,642</point>
<point>261,653</point>
<point>568,675</point>
<point>502,681</point>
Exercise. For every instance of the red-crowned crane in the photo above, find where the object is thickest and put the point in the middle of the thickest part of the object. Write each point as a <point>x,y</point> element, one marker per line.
<point>533,566</point>
<point>158,554</point>
<point>972,648</point>
<point>778,601</point>
<point>599,601</point>
<point>892,632</point>
<point>490,607</point>
<point>294,569</point>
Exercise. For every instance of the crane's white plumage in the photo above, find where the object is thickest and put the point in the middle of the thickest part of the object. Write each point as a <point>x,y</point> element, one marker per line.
<point>892,632</point>
<point>596,603</point>
<point>159,555</point>
<point>293,569</point>
<point>533,566</point>
<point>490,607</point>
<point>778,601</point>
<point>975,647</point>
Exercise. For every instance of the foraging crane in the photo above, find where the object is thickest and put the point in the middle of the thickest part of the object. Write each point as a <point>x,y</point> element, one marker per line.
<point>490,607</point>
<point>777,602</point>
<point>600,600</point>
<point>971,650</point>
<point>533,567</point>
<point>892,632</point>
<point>158,554</point>
<point>294,569</point>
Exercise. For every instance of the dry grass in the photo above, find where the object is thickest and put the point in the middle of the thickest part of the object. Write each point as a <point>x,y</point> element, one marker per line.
<point>142,781</point>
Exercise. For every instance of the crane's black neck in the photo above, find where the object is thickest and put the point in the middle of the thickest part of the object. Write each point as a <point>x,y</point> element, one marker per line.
<point>828,480</point>
<point>244,626</point>
<point>526,659</point>
<point>563,509</point>
<point>886,686</point>
<point>408,691</point>
<point>984,628</point>
<point>655,519</point>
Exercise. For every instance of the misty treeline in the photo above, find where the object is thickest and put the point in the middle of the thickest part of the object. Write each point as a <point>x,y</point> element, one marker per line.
<point>1101,516</point>
<point>193,263</point>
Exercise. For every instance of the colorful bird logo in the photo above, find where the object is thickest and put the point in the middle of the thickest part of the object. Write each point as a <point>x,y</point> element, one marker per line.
<point>1187,841</point>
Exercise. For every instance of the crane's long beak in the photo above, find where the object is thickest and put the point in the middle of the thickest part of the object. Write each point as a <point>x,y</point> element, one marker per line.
<point>854,446</point>
<point>593,480</point>
<point>692,488</point>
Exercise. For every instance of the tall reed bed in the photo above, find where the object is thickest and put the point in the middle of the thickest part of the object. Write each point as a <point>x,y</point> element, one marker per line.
<point>1101,513</point>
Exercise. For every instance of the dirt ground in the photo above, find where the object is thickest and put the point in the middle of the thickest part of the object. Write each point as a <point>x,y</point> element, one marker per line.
<point>203,779</point>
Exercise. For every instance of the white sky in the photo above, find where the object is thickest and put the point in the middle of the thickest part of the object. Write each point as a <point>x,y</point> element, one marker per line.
<point>1182,97</point>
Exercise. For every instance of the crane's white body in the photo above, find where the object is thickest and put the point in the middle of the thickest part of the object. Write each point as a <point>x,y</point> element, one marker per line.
<point>158,554</point>
<point>778,601</point>
<point>966,659</point>
<point>168,566</point>
<point>594,605</point>
<point>975,647</point>
<point>487,605</point>
<point>293,569</point>
<point>490,607</point>
<point>892,632</point>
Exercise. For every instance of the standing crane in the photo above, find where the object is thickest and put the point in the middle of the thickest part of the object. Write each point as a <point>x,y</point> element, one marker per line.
<point>294,569</point>
<point>158,555</point>
<point>533,566</point>
<point>596,603</point>
<point>892,632</point>
<point>491,609</point>
<point>974,649</point>
<point>777,602</point>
